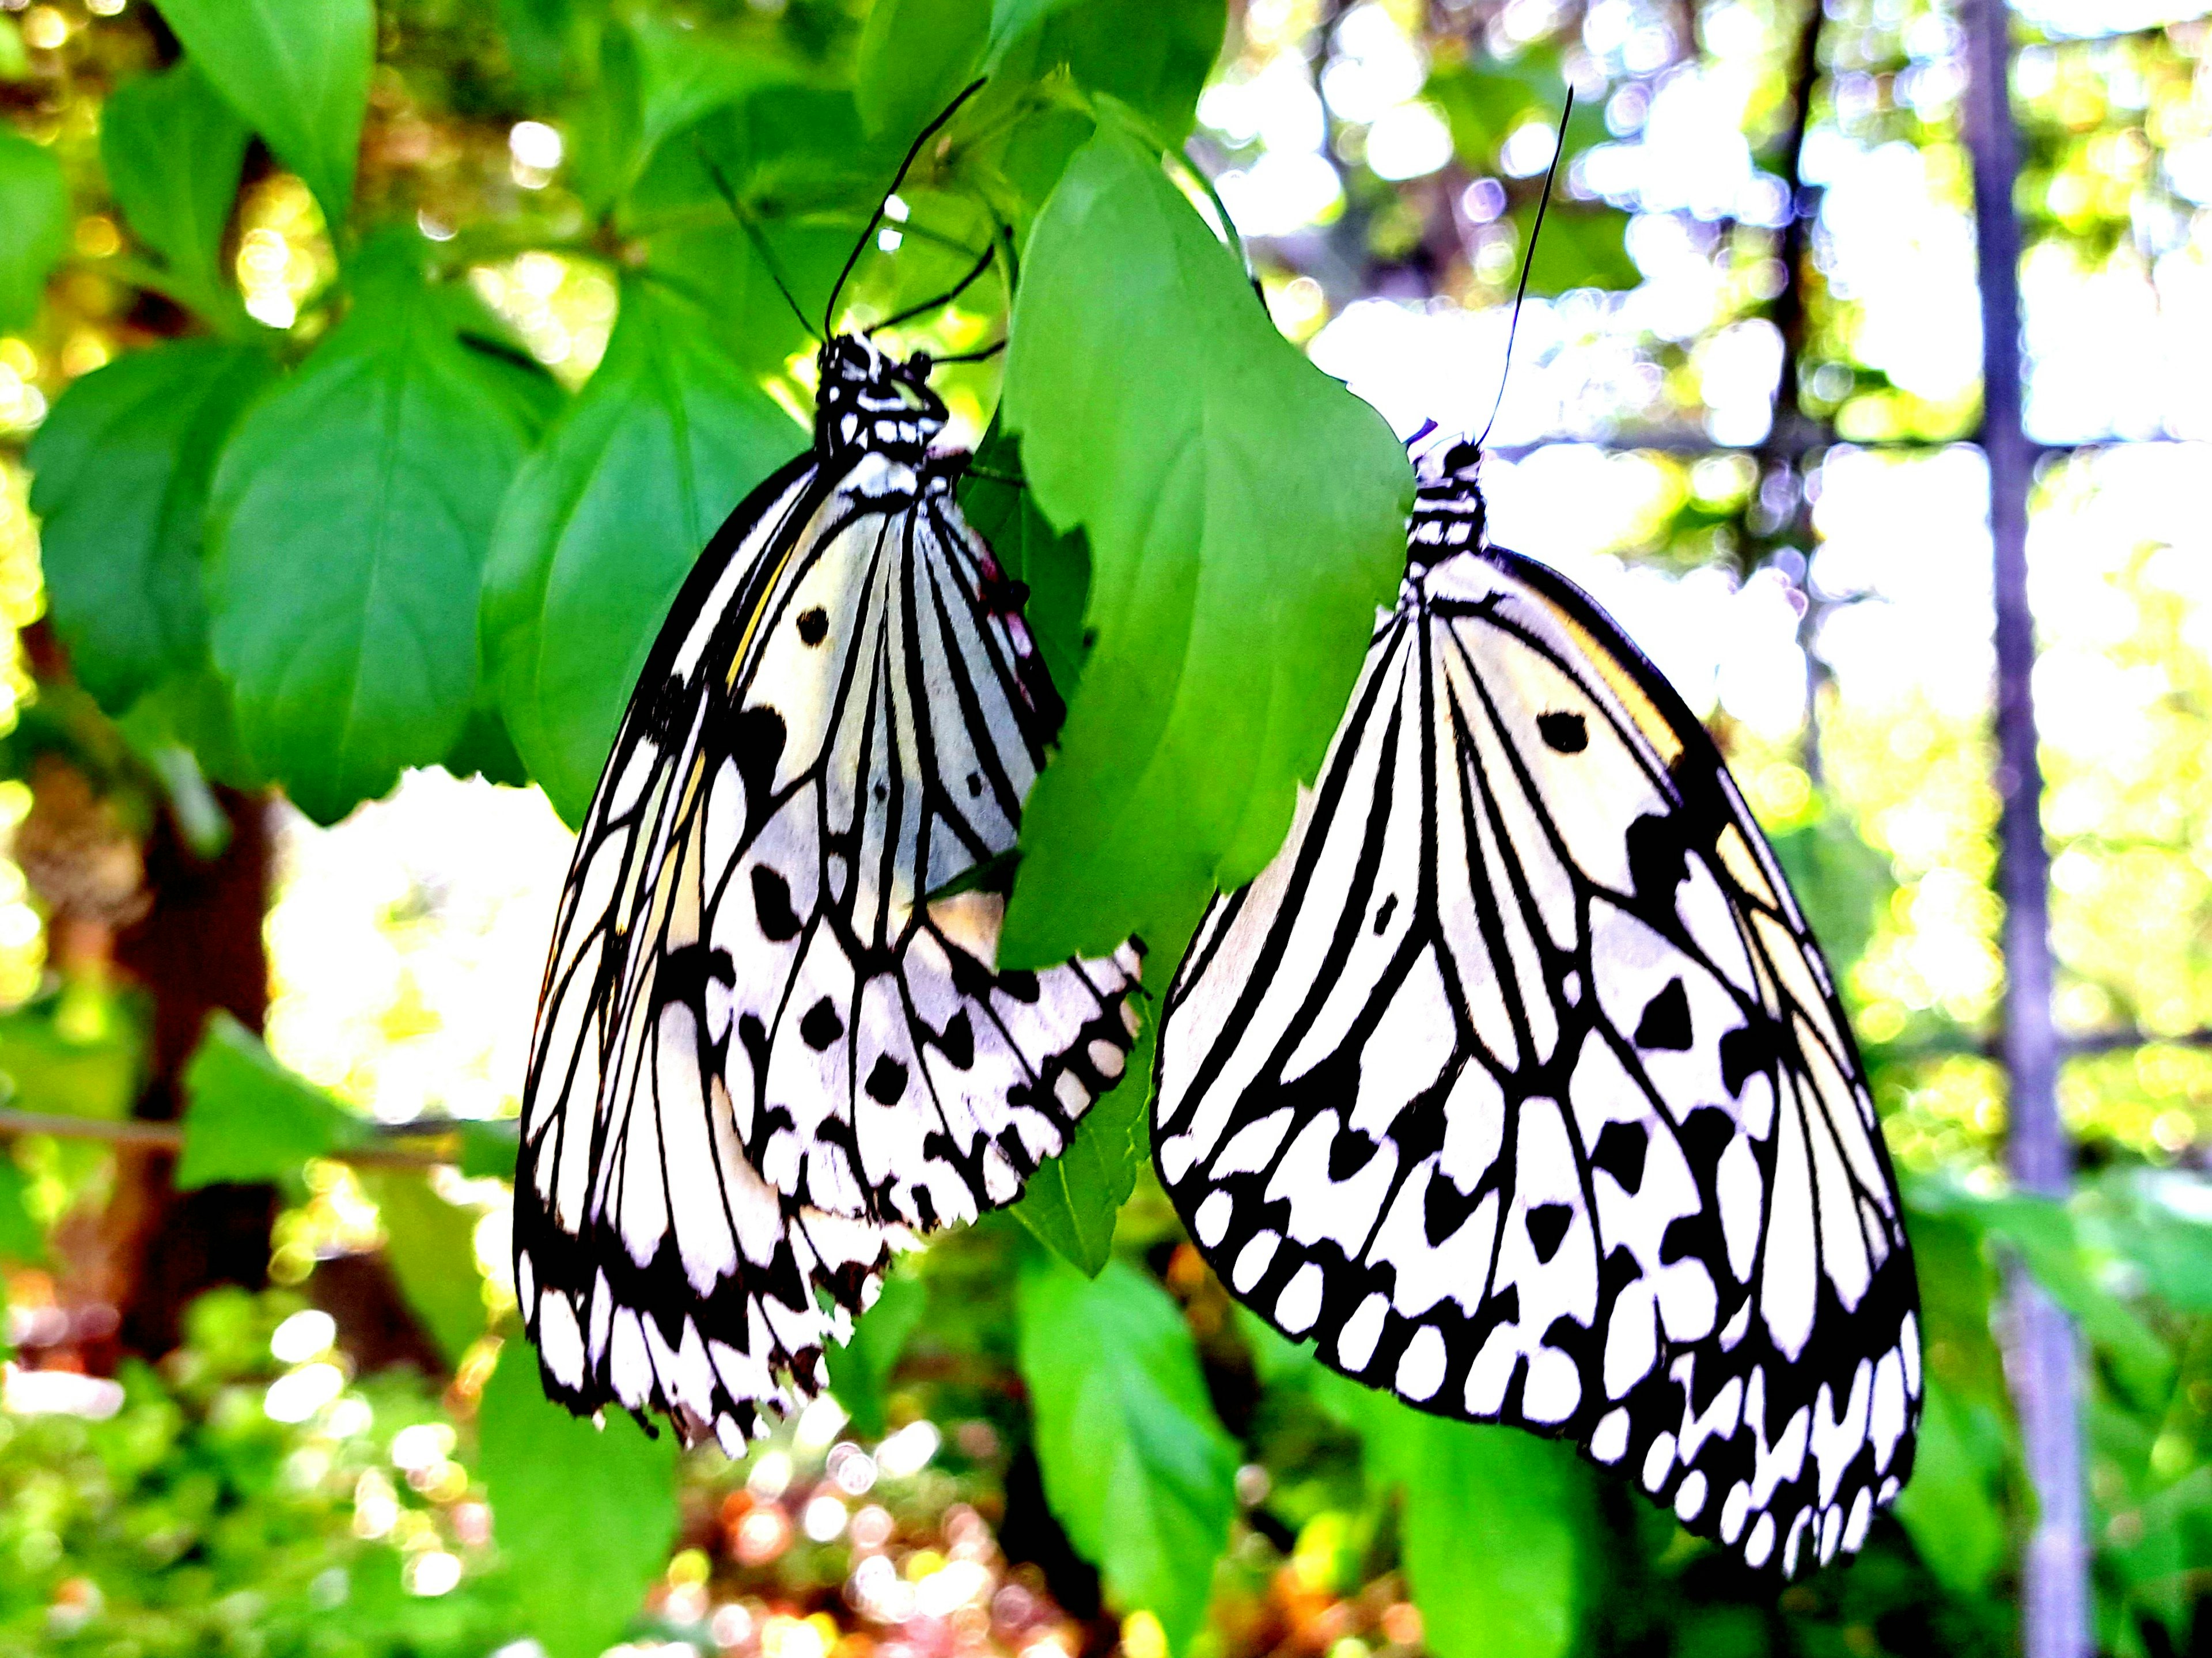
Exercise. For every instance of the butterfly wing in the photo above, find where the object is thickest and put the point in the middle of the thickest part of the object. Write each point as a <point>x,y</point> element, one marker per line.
<point>895,716</point>
<point>840,716</point>
<point>1518,1081</point>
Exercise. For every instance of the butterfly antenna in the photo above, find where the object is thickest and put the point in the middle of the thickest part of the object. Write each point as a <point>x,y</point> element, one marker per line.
<point>946,298</point>
<point>912,153</point>
<point>1527,260</point>
<point>759,239</point>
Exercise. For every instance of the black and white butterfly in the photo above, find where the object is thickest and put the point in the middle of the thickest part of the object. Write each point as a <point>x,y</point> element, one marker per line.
<point>1518,1081</point>
<point>770,1046</point>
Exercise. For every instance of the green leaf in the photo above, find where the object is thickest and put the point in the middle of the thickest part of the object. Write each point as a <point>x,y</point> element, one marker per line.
<point>194,710</point>
<point>346,541</point>
<point>603,523</point>
<point>14,59</point>
<point>1054,567</point>
<point>1136,1469</point>
<point>21,1239</point>
<point>297,71</point>
<point>1235,576</point>
<point>1582,247</point>
<point>547,40</point>
<point>862,1367</point>
<point>122,468</point>
<point>1497,1526</point>
<point>1073,1202</point>
<point>583,1516</point>
<point>1949,1508</point>
<point>1485,99</point>
<point>656,79</point>
<point>487,1149</point>
<point>914,56</point>
<point>79,1053</point>
<point>1152,55</point>
<point>717,266</point>
<point>1493,1533</point>
<point>34,206</point>
<point>1842,884</point>
<point>248,1117</point>
<point>486,750</point>
<point>173,151</point>
<point>430,1245</point>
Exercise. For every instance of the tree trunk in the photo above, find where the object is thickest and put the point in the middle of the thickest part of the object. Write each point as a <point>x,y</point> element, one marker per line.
<point>2042,1359</point>
<point>197,950</point>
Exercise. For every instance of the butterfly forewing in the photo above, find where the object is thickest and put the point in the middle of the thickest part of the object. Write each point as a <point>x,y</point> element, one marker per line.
<point>1517,1083</point>
<point>765,1053</point>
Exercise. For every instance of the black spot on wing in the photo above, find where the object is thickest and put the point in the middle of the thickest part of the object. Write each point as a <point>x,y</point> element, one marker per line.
<point>957,1042</point>
<point>1383,912</point>
<point>1547,1227</point>
<point>1666,1021</point>
<point>814,625</point>
<point>1348,1153</point>
<point>772,905</point>
<point>756,739</point>
<point>1621,1151</point>
<point>887,1081</point>
<point>1657,861</point>
<point>1445,1208</point>
<point>1746,1052</point>
<point>1705,1135</point>
<point>820,1026</point>
<point>1564,734</point>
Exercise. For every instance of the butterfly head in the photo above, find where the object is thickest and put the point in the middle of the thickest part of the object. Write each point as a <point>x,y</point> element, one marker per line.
<point>868,400</point>
<point>1448,506</point>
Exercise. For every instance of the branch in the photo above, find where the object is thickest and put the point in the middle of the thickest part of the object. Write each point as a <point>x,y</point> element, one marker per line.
<point>170,1137</point>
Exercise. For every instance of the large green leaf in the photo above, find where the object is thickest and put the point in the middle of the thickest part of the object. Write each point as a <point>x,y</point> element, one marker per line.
<point>1493,1532</point>
<point>859,1369</point>
<point>1136,1467</point>
<point>248,1117</point>
<point>1152,55</point>
<point>1245,516</point>
<point>346,542</point>
<point>1054,567</point>
<point>173,151</point>
<point>656,79</point>
<point>121,470</point>
<point>604,522</point>
<point>2041,1231</point>
<point>1149,54</point>
<point>583,1516</point>
<point>914,56</point>
<point>35,208</point>
<point>1496,1525</point>
<point>297,71</point>
<point>430,1245</point>
<point>1950,1508</point>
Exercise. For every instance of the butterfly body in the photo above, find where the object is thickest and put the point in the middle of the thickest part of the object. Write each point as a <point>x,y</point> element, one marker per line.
<point>766,1054</point>
<point>1518,1084</point>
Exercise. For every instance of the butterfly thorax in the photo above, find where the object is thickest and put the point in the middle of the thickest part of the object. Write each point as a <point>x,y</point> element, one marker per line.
<point>870,402</point>
<point>1447,508</point>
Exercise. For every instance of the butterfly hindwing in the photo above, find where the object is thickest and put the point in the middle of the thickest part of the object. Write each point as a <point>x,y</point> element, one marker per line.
<point>767,1049</point>
<point>1517,1082</point>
